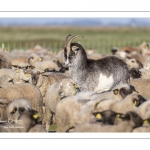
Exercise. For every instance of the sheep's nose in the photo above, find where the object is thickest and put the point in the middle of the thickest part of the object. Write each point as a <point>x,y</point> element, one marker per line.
<point>21,109</point>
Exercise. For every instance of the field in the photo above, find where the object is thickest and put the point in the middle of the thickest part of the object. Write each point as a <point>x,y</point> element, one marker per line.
<point>101,39</point>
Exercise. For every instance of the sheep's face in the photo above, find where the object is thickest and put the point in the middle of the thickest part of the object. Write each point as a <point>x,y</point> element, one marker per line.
<point>67,87</point>
<point>133,116</point>
<point>138,100</point>
<point>35,77</point>
<point>34,58</point>
<point>6,79</point>
<point>108,117</point>
<point>133,63</point>
<point>123,92</point>
<point>16,108</point>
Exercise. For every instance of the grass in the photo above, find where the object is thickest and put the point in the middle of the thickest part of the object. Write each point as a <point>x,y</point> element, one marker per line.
<point>101,39</point>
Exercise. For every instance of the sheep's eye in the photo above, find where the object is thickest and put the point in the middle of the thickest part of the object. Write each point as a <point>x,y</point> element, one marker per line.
<point>116,91</point>
<point>132,61</point>
<point>98,116</point>
<point>15,109</point>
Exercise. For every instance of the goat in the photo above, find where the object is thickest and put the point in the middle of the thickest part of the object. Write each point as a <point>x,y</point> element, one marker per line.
<point>93,75</point>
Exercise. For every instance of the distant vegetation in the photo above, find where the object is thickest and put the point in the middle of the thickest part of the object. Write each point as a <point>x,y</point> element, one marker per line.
<point>101,39</point>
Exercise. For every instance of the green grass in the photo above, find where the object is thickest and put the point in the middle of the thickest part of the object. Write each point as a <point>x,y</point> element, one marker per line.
<point>101,39</point>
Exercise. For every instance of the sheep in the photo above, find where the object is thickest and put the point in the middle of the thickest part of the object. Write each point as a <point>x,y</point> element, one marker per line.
<point>130,121</point>
<point>133,63</point>
<point>13,108</point>
<point>142,86</point>
<point>119,92</point>
<point>94,75</point>
<point>56,92</point>
<point>144,110</point>
<point>43,81</point>
<point>6,79</point>
<point>129,103</point>
<point>5,62</point>
<point>27,122</point>
<point>26,91</point>
<point>144,128</point>
<point>39,63</point>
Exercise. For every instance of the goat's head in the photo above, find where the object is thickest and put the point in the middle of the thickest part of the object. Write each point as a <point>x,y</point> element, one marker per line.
<point>71,50</point>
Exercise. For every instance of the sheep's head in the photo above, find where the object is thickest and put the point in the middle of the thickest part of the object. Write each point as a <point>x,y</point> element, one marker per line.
<point>16,108</point>
<point>133,116</point>
<point>35,75</point>
<point>6,79</point>
<point>67,87</point>
<point>108,117</point>
<point>138,100</point>
<point>135,73</point>
<point>34,58</point>
<point>71,50</point>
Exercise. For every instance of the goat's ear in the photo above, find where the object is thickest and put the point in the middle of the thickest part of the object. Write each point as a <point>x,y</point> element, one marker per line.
<point>75,48</point>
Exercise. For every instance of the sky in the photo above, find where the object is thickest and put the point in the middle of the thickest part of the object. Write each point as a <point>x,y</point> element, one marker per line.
<point>75,21</point>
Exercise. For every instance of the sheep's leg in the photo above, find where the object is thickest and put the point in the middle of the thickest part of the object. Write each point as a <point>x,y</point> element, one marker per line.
<point>48,117</point>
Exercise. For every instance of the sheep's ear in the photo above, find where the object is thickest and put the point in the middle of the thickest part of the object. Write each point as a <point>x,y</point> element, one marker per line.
<point>31,67</point>
<point>124,92</point>
<point>97,115</point>
<point>60,85</point>
<point>35,114</point>
<point>116,91</point>
<point>40,59</point>
<point>15,66</point>
<point>145,122</point>
<point>4,102</point>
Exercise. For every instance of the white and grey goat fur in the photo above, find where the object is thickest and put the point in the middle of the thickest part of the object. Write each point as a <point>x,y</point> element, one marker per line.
<point>94,75</point>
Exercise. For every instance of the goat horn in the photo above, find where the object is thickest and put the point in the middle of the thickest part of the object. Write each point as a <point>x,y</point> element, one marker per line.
<point>66,41</point>
<point>71,39</point>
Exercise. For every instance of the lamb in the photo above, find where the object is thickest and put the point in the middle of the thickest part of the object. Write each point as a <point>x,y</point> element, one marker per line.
<point>43,81</point>
<point>27,122</point>
<point>23,91</point>
<point>142,86</point>
<point>56,92</point>
<point>94,75</point>
<point>5,62</point>
<point>130,121</point>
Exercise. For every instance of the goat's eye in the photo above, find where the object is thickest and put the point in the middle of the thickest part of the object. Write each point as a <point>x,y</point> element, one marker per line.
<point>116,91</point>
<point>15,109</point>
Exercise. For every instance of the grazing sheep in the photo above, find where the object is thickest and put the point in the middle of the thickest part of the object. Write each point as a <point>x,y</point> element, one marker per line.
<point>130,121</point>
<point>43,81</point>
<point>142,86</point>
<point>56,92</point>
<point>23,91</point>
<point>94,75</point>
<point>27,122</point>
<point>5,62</point>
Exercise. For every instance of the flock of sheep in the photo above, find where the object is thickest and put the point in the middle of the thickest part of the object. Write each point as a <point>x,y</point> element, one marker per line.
<point>75,90</point>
